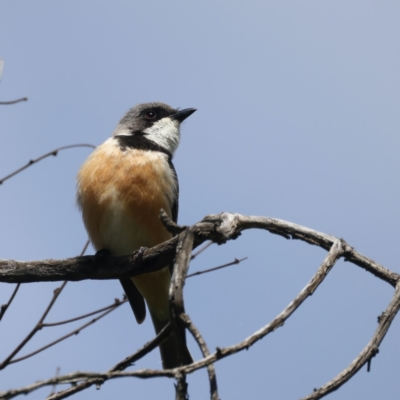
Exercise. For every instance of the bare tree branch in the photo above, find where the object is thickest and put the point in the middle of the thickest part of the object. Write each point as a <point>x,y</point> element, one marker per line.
<point>334,254</point>
<point>36,328</point>
<point>218,228</point>
<point>147,348</point>
<point>181,387</point>
<point>87,267</point>
<point>370,350</point>
<point>183,256</point>
<point>105,310</point>
<point>198,252</point>
<point>36,160</point>
<point>204,350</point>
<point>117,303</point>
<point>205,271</point>
<point>76,377</point>
<point>53,389</point>
<point>90,381</point>
<point>68,335</point>
<point>4,307</point>
<point>3,103</point>
<point>8,360</point>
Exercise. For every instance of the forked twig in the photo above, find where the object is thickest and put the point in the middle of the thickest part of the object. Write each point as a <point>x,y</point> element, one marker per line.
<point>90,380</point>
<point>205,351</point>
<point>116,304</point>
<point>10,359</point>
<point>74,332</point>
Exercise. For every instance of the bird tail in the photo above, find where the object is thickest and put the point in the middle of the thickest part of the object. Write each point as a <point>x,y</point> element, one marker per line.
<point>174,352</point>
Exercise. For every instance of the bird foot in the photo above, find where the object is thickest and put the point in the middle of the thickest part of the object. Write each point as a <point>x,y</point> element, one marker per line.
<point>102,255</point>
<point>138,254</point>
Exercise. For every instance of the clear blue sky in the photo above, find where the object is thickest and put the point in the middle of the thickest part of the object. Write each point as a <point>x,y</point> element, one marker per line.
<point>298,118</point>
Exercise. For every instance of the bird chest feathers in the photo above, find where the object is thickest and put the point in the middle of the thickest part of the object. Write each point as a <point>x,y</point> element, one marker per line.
<point>121,192</point>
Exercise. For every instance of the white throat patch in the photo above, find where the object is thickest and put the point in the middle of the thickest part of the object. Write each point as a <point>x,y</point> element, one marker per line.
<point>166,133</point>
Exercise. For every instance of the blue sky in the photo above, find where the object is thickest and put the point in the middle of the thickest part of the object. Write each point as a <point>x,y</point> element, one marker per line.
<point>297,119</point>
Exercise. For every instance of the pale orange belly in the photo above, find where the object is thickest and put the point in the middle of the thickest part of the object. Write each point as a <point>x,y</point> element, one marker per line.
<point>121,194</point>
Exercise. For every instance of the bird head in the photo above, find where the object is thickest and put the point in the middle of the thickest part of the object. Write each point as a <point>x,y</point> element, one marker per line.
<point>156,121</point>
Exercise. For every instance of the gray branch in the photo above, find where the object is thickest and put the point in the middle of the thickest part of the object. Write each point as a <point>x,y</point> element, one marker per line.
<point>217,228</point>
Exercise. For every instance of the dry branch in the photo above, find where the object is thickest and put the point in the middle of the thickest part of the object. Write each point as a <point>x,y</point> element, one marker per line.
<point>49,154</point>
<point>370,350</point>
<point>219,229</point>
<point>4,307</point>
<point>4,103</point>
<point>205,351</point>
<point>39,325</point>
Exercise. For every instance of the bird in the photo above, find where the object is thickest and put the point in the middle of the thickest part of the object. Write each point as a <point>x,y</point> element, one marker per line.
<point>121,188</point>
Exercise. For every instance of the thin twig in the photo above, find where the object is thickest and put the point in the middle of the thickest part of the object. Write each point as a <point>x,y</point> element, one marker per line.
<point>205,247</point>
<point>147,348</point>
<point>111,307</point>
<point>85,247</point>
<point>36,160</point>
<point>206,352</point>
<point>204,271</point>
<point>53,389</point>
<point>13,101</point>
<point>116,304</point>
<point>74,332</point>
<point>35,329</point>
<point>127,362</point>
<point>8,360</point>
<point>4,307</point>
<point>77,377</point>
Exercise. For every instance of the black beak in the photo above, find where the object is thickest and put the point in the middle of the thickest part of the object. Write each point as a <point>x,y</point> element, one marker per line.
<point>183,114</point>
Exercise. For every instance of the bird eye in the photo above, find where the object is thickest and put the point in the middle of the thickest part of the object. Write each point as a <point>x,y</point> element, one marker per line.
<point>150,115</point>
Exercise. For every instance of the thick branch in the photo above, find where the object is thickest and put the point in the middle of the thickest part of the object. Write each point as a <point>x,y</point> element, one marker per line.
<point>218,228</point>
<point>88,267</point>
